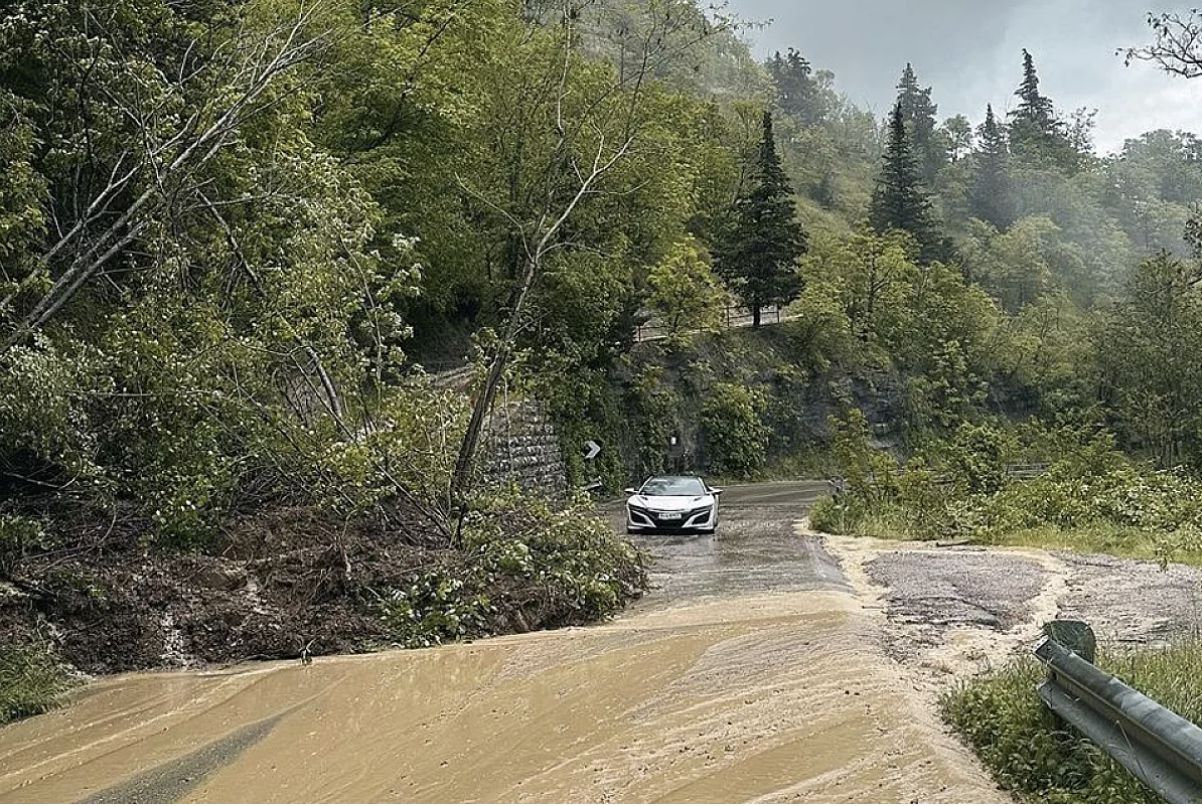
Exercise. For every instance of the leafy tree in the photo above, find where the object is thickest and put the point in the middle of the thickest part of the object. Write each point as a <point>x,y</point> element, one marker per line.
<point>1149,349</point>
<point>900,200</point>
<point>758,258</point>
<point>735,436</point>
<point>959,134</point>
<point>991,196</point>
<point>1014,266</point>
<point>685,293</point>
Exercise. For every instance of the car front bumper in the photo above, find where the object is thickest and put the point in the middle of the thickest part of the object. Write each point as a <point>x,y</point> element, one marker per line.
<point>641,519</point>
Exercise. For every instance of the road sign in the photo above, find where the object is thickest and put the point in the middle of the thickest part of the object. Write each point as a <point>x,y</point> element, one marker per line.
<point>592,450</point>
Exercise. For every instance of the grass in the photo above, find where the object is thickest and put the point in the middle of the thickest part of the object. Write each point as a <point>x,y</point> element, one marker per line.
<point>1037,758</point>
<point>32,681</point>
<point>893,522</point>
<point>1101,538</point>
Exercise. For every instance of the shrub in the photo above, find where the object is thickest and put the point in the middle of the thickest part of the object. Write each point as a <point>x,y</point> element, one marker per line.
<point>32,681</point>
<point>525,565</point>
<point>736,439</point>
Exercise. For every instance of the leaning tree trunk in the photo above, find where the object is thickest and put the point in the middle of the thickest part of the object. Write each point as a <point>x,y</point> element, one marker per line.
<point>466,462</point>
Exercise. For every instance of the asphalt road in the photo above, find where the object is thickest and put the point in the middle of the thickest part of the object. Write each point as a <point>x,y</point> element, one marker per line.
<point>755,550</point>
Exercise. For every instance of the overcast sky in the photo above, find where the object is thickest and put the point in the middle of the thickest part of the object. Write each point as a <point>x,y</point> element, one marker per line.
<point>970,51</point>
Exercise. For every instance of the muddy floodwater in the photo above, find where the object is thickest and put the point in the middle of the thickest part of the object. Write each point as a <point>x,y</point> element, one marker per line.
<point>727,684</point>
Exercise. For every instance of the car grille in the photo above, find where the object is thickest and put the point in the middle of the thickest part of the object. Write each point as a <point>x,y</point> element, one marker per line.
<point>657,516</point>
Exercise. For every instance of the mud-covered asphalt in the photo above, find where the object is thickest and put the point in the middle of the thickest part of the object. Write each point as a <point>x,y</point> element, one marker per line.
<point>755,670</point>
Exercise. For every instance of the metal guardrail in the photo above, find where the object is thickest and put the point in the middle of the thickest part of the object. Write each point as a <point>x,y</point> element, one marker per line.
<point>1151,742</point>
<point>734,317</point>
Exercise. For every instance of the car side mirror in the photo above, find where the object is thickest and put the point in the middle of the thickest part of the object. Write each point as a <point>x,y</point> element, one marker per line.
<point>716,491</point>
<point>631,491</point>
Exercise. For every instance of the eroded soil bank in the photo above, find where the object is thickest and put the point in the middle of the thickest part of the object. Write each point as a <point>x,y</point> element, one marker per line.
<point>777,697</point>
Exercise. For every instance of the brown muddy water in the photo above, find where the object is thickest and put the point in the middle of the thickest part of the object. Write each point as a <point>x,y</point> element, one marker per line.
<point>716,689</point>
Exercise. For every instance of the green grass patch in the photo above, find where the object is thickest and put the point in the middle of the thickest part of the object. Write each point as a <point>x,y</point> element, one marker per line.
<point>1100,538</point>
<point>1040,759</point>
<point>32,681</point>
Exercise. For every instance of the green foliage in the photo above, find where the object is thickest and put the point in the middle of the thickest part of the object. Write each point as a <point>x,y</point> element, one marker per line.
<point>759,257</point>
<point>736,438</point>
<point>685,293</point>
<point>32,680</point>
<point>1038,758</point>
<point>991,197</point>
<point>1149,359</point>
<point>900,202</point>
<point>528,566</point>
<point>919,111</point>
<point>1091,495</point>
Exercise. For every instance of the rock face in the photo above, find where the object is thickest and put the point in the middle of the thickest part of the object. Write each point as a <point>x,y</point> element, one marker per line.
<point>521,447</point>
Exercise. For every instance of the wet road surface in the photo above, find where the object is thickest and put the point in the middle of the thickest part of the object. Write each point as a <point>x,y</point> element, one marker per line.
<point>750,672</point>
<point>756,549</point>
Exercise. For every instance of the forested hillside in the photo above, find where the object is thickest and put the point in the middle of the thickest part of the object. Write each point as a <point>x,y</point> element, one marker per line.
<point>237,239</point>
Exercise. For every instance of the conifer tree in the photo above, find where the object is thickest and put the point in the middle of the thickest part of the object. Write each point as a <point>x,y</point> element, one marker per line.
<point>899,201</point>
<point>1034,106</point>
<point>991,196</point>
<point>919,113</point>
<point>1037,134</point>
<point>798,92</point>
<point>759,258</point>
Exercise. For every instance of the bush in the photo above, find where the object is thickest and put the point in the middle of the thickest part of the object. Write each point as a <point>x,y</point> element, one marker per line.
<point>32,681</point>
<point>525,565</point>
<point>1090,488</point>
<point>736,439</point>
<point>1039,759</point>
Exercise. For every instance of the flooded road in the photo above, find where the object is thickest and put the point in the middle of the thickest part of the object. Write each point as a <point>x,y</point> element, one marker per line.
<point>751,672</point>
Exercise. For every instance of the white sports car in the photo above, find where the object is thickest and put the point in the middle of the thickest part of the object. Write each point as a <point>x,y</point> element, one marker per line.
<point>672,504</point>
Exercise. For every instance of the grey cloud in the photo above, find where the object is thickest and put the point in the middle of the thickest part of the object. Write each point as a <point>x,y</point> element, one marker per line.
<point>970,52</point>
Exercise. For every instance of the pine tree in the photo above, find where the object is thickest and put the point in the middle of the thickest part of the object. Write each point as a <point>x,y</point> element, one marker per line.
<point>919,112</point>
<point>759,258</point>
<point>1037,134</point>
<point>899,201</point>
<point>991,197</point>
<point>1034,107</point>
<point>798,92</point>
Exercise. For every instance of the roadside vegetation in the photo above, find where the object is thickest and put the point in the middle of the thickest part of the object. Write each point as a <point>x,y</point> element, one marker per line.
<point>1032,755</point>
<point>1064,487</point>
<point>32,681</point>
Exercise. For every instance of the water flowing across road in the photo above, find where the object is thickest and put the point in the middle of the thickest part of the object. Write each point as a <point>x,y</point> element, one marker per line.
<point>751,672</point>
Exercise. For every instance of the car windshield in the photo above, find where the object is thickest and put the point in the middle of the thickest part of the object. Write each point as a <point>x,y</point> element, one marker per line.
<point>673,485</point>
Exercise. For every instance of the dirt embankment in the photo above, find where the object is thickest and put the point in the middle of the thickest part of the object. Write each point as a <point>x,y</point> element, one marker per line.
<point>278,586</point>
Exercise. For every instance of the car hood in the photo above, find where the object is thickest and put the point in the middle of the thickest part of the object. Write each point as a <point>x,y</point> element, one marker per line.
<point>671,503</point>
